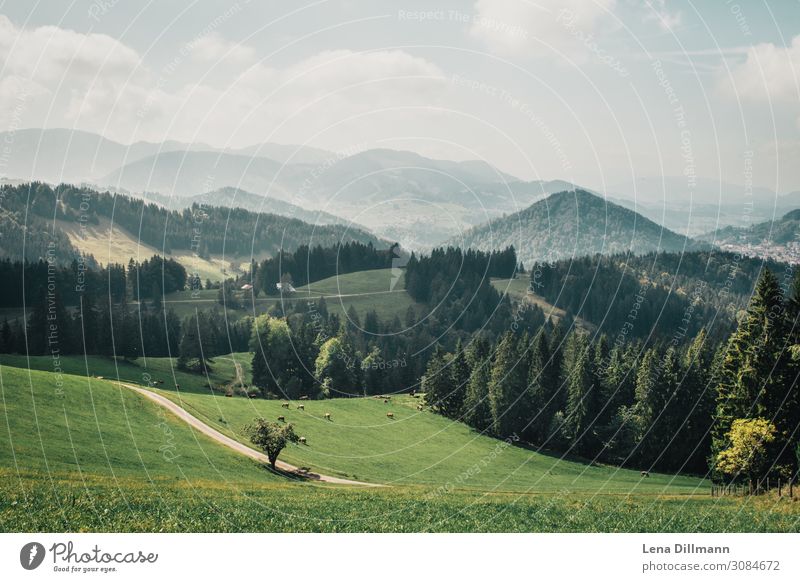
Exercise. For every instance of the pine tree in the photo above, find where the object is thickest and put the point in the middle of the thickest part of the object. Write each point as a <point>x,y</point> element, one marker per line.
<point>696,437</point>
<point>5,338</point>
<point>507,387</point>
<point>542,389</point>
<point>436,383</point>
<point>459,378</point>
<point>581,412</point>
<point>477,412</point>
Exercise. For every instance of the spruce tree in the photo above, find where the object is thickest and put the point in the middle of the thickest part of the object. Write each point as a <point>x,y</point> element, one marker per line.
<point>696,437</point>
<point>459,378</point>
<point>436,383</point>
<point>542,388</point>
<point>507,386</point>
<point>477,412</point>
<point>581,412</point>
<point>5,338</point>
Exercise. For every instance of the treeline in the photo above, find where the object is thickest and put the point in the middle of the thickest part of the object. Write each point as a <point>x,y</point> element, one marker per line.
<point>123,331</point>
<point>25,283</point>
<point>654,293</point>
<point>733,407</point>
<point>456,285</point>
<point>622,404</point>
<point>201,229</point>
<point>76,309</point>
<point>300,349</point>
<point>308,265</point>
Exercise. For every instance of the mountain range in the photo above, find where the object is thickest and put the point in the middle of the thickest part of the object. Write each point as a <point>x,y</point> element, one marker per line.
<point>397,195</point>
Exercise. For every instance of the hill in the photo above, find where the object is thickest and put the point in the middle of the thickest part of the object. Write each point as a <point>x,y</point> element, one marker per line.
<point>572,224</point>
<point>777,240</point>
<point>781,231</point>
<point>82,219</point>
<point>360,442</point>
<point>69,424</point>
<point>106,459</point>
<point>236,198</point>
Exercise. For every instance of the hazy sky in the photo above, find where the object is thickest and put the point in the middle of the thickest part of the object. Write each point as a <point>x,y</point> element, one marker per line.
<point>592,91</point>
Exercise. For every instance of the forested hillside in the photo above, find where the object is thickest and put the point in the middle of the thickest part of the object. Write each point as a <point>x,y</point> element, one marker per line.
<point>201,229</point>
<point>785,229</point>
<point>573,223</point>
<point>653,294</point>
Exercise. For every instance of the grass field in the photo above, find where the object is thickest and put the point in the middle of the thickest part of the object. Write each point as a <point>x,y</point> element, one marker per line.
<point>90,456</point>
<point>361,443</point>
<point>30,503</point>
<point>364,291</point>
<point>93,427</point>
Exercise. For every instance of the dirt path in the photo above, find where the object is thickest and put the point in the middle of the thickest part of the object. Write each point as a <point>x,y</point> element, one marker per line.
<point>214,434</point>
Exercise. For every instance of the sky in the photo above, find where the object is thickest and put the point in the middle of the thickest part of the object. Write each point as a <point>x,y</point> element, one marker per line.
<point>596,92</point>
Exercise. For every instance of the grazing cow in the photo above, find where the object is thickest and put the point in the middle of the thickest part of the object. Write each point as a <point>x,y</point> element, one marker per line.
<point>413,393</point>
<point>282,418</point>
<point>301,407</point>
<point>419,407</point>
<point>285,405</point>
<point>327,416</point>
<point>390,414</point>
<point>386,401</point>
<point>302,440</point>
<point>645,473</point>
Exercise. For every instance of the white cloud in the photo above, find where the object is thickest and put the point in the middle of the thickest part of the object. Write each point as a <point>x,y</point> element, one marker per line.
<point>769,72</point>
<point>537,28</point>
<point>213,48</point>
<point>54,77</point>
<point>51,72</point>
<point>657,11</point>
<point>312,94</point>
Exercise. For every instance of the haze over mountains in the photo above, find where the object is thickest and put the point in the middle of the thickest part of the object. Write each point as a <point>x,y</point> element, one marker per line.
<point>703,207</point>
<point>574,224</point>
<point>398,195</point>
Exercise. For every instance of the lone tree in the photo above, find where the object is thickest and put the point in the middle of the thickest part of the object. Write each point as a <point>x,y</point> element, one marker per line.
<point>271,437</point>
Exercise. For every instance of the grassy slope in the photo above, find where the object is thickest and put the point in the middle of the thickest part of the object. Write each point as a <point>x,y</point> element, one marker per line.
<point>208,490</point>
<point>364,290</point>
<point>117,245</point>
<point>96,428</point>
<point>362,443</point>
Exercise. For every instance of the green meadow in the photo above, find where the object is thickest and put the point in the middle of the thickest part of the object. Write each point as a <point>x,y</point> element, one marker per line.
<point>364,291</point>
<point>88,455</point>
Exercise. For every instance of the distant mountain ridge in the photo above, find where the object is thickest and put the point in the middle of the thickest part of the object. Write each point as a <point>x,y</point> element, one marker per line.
<point>74,156</point>
<point>785,229</point>
<point>574,223</point>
